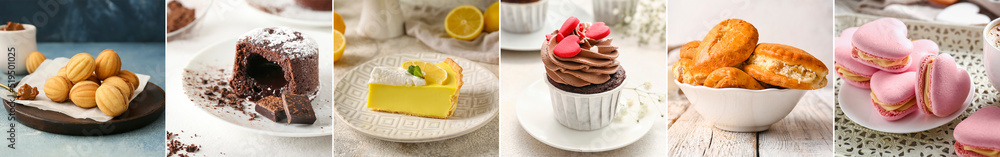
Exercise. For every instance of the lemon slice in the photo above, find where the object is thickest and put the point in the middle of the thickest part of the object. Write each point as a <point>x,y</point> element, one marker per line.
<point>338,45</point>
<point>492,17</point>
<point>433,74</point>
<point>464,22</point>
<point>338,23</point>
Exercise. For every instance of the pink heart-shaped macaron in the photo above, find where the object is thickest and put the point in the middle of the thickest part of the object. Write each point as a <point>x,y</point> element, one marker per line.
<point>884,40</point>
<point>569,26</point>
<point>598,31</point>
<point>946,85</point>
<point>893,90</point>
<point>568,47</point>
<point>856,73</point>
<point>921,49</point>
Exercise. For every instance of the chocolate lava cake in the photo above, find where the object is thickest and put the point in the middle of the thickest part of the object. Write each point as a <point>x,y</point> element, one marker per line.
<point>270,60</point>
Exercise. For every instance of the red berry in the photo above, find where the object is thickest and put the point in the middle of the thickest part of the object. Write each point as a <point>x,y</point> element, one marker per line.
<point>569,26</point>
<point>568,47</point>
<point>598,31</point>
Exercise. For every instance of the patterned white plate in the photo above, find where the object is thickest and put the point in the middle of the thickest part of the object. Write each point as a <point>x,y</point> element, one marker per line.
<point>857,105</point>
<point>478,103</point>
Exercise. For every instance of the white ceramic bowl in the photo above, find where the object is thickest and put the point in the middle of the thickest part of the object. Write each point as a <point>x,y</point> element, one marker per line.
<point>991,55</point>
<point>741,110</point>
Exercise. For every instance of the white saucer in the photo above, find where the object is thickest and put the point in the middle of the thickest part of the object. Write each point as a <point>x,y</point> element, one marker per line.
<point>223,53</point>
<point>857,105</point>
<point>478,103</point>
<point>534,112</point>
<point>559,11</point>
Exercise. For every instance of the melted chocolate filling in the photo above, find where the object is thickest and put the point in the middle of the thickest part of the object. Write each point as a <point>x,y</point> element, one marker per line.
<point>268,77</point>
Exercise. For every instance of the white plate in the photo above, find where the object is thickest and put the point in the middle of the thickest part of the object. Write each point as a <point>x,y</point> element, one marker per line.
<point>201,8</point>
<point>857,105</point>
<point>558,12</point>
<point>300,17</point>
<point>534,112</point>
<point>478,103</point>
<point>222,54</point>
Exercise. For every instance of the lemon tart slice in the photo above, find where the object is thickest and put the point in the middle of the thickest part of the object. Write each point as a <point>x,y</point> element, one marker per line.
<point>418,89</point>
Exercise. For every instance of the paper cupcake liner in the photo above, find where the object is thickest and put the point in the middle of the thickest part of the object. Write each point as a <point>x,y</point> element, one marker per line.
<point>584,111</point>
<point>613,11</point>
<point>523,17</point>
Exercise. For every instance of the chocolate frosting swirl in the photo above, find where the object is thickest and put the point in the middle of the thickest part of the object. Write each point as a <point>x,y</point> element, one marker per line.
<point>593,65</point>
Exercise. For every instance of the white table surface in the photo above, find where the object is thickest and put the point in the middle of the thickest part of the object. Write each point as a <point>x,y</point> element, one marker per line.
<point>227,20</point>
<point>521,68</point>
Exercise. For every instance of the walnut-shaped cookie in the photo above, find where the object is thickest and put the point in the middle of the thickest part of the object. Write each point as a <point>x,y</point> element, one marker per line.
<point>122,85</point>
<point>82,94</point>
<point>130,77</point>
<point>79,67</point>
<point>107,64</point>
<point>34,60</point>
<point>57,88</point>
<point>110,100</point>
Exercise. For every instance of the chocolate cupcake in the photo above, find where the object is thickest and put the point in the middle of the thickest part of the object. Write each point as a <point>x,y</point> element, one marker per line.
<point>583,74</point>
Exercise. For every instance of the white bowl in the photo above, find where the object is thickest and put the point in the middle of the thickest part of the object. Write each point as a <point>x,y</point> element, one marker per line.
<point>991,55</point>
<point>741,110</point>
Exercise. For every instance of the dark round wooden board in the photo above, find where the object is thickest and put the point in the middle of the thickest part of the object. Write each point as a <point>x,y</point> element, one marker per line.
<point>144,109</point>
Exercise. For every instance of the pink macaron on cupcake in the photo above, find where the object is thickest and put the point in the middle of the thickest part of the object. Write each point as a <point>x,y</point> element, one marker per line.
<point>883,44</point>
<point>892,94</point>
<point>942,87</point>
<point>976,136</point>
<point>850,70</point>
<point>921,49</point>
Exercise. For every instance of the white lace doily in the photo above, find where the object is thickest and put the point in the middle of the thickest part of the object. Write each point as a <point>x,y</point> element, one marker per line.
<point>962,42</point>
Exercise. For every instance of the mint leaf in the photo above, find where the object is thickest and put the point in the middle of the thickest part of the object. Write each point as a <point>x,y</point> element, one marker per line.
<point>415,71</point>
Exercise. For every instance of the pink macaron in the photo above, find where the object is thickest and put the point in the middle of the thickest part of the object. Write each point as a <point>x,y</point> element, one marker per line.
<point>850,70</point>
<point>892,94</point>
<point>942,87</point>
<point>882,44</point>
<point>978,132</point>
<point>921,49</point>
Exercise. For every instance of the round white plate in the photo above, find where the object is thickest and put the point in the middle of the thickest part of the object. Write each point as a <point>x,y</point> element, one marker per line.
<point>300,16</point>
<point>857,105</point>
<point>559,11</point>
<point>478,103</point>
<point>200,10</point>
<point>222,54</point>
<point>534,112</point>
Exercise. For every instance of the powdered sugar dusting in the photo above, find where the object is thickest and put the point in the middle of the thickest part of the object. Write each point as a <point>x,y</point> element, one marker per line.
<point>282,39</point>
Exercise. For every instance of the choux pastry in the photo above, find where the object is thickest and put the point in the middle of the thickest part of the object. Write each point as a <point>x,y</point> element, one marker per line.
<point>786,66</point>
<point>728,44</point>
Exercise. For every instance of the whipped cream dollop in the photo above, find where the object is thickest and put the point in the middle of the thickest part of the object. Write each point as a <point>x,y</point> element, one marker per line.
<point>593,65</point>
<point>394,76</point>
